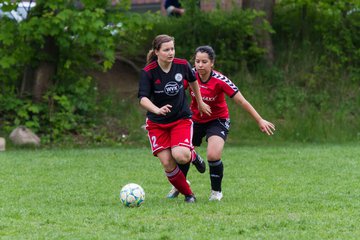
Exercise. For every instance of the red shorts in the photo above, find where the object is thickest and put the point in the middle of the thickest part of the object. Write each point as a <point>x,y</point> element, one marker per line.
<point>169,135</point>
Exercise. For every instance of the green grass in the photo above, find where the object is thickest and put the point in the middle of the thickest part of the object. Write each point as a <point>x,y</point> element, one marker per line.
<point>270,192</point>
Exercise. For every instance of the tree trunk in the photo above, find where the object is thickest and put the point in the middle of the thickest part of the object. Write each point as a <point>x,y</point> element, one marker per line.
<point>43,80</point>
<point>27,81</point>
<point>265,40</point>
<point>46,69</point>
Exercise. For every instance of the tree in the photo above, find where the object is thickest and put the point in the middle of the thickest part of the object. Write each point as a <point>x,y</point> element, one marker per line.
<point>267,6</point>
<point>57,42</point>
<point>45,62</point>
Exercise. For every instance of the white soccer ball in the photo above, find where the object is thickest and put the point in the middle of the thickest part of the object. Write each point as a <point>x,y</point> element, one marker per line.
<point>132,195</point>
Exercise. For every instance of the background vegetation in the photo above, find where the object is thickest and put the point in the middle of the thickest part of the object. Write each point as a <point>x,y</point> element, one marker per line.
<point>310,91</point>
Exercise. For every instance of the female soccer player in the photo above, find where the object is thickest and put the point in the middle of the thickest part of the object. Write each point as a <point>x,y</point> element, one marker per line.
<point>169,124</point>
<point>215,128</point>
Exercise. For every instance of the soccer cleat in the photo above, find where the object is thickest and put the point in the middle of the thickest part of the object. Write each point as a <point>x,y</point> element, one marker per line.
<point>174,192</point>
<point>190,198</point>
<point>215,196</point>
<point>199,163</point>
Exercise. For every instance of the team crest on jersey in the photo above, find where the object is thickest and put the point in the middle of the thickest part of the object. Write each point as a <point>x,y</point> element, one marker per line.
<point>172,88</point>
<point>178,77</point>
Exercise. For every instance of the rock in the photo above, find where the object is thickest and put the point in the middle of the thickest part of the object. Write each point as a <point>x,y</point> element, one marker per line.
<point>24,136</point>
<point>2,144</point>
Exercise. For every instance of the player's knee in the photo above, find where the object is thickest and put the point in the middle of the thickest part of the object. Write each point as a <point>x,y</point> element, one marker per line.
<point>169,166</point>
<point>182,157</point>
<point>213,155</point>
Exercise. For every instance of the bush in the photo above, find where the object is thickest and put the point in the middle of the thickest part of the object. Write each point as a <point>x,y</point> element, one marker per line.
<point>229,33</point>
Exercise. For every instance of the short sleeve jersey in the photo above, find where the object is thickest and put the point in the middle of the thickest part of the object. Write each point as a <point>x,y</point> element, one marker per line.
<point>213,93</point>
<point>167,88</point>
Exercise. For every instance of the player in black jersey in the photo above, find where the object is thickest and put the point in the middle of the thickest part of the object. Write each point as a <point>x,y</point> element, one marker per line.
<point>169,124</point>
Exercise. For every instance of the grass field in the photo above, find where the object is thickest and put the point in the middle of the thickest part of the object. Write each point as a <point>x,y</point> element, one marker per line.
<point>270,192</point>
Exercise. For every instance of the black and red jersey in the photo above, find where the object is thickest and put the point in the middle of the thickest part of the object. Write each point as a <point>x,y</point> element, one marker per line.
<point>213,93</point>
<point>167,88</point>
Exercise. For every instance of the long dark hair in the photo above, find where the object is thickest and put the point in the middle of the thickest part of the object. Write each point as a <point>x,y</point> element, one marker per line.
<point>156,45</point>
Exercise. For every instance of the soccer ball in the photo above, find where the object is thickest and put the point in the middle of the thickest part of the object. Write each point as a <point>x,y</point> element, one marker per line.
<point>132,195</point>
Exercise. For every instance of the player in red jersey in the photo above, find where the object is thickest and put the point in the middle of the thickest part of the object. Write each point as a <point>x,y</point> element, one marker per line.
<point>214,86</point>
<point>169,124</point>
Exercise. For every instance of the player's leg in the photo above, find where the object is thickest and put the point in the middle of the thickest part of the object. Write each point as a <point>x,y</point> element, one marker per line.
<point>216,167</point>
<point>181,136</point>
<point>181,147</point>
<point>159,138</point>
<point>182,155</point>
<point>173,173</point>
<point>199,132</point>
<point>216,136</point>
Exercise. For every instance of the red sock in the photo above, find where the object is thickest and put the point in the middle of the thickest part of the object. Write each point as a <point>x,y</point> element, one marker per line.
<point>178,180</point>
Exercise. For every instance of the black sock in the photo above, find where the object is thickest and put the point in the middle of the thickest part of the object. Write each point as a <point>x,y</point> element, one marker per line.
<point>216,174</point>
<point>184,168</point>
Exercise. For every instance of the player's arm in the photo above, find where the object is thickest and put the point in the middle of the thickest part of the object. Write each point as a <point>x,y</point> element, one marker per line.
<point>265,126</point>
<point>162,8</point>
<point>173,9</point>
<point>203,107</point>
<point>180,11</point>
<point>149,106</point>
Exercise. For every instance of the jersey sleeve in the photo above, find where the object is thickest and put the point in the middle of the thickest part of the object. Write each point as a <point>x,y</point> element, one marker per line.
<point>144,85</point>
<point>229,88</point>
<point>190,73</point>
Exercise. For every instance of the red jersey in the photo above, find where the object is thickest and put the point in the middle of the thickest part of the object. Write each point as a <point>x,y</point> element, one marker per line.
<point>213,93</point>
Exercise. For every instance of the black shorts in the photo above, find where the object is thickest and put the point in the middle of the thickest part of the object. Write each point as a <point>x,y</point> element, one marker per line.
<point>218,127</point>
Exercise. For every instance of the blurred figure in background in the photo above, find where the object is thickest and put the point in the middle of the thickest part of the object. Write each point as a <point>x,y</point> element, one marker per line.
<point>172,8</point>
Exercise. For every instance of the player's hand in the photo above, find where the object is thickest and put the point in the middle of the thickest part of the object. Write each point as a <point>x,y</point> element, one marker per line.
<point>266,127</point>
<point>204,108</point>
<point>164,110</point>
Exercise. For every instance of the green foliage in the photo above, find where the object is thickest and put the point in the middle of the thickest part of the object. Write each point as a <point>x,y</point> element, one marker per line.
<point>229,33</point>
<point>70,109</point>
<point>75,40</point>
<point>314,83</point>
<point>78,34</point>
<point>333,27</point>
<point>17,112</point>
<point>311,90</point>
<point>137,32</point>
<point>65,110</point>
